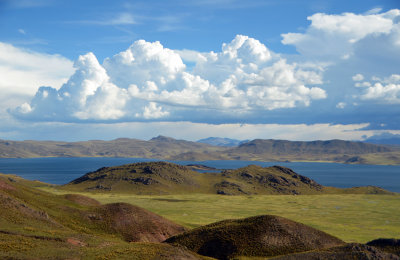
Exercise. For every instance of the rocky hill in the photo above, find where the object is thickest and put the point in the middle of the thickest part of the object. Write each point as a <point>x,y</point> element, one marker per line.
<point>167,178</point>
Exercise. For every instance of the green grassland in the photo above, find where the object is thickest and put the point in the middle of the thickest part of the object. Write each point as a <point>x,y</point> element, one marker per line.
<point>351,217</point>
<point>35,224</point>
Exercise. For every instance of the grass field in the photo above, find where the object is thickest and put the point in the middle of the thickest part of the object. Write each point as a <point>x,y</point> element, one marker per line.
<point>353,218</point>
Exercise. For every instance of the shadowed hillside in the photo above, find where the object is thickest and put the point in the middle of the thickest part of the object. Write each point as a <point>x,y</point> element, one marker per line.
<point>256,236</point>
<point>168,178</point>
<point>346,252</point>
<point>387,245</point>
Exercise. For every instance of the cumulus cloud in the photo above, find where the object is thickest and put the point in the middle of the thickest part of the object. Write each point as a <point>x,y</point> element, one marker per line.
<point>245,81</point>
<point>241,76</point>
<point>332,36</point>
<point>88,94</point>
<point>150,82</point>
<point>386,91</point>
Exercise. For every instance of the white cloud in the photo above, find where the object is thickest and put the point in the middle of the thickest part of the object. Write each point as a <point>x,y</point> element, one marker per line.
<point>119,19</point>
<point>23,71</point>
<point>331,36</point>
<point>153,111</point>
<point>22,31</point>
<point>144,61</point>
<point>16,130</point>
<point>341,105</point>
<point>375,10</point>
<point>358,77</point>
<point>241,76</point>
<point>384,91</point>
<point>243,81</point>
<point>150,82</point>
<point>191,56</point>
<point>88,94</point>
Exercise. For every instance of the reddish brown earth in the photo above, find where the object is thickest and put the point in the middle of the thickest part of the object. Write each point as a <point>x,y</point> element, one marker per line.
<point>134,223</point>
<point>82,200</point>
<point>5,186</point>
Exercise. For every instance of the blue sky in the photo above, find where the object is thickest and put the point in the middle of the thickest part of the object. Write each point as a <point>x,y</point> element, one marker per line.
<point>297,70</point>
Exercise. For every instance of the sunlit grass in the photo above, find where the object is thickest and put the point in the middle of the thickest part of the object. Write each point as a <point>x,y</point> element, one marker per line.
<point>353,218</point>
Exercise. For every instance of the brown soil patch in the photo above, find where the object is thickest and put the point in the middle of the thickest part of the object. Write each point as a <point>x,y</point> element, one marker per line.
<point>75,242</point>
<point>82,200</point>
<point>134,223</point>
<point>5,186</point>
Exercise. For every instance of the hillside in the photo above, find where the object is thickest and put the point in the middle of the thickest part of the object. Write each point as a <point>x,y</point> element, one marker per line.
<point>167,148</point>
<point>158,147</point>
<point>255,236</point>
<point>159,178</point>
<point>347,252</point>
<point>331,151</point>
<point>38,225</point>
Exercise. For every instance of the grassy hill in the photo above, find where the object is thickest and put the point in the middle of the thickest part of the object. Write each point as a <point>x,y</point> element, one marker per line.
<point>39,225</point>
<point>162,147</point>
<point>261,236</point>
<point>35,224</point>
<point>167,178</point>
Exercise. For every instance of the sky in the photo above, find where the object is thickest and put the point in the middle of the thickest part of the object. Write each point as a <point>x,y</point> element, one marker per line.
<point>279,69</point>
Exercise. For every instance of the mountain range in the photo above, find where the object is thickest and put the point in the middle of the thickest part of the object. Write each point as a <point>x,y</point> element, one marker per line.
<point>167,148</point>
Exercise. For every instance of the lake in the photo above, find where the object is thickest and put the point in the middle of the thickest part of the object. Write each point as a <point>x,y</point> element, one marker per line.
<point>64,170</point>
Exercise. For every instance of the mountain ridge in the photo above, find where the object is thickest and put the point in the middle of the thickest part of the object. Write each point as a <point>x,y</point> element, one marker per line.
<point>167,148</point>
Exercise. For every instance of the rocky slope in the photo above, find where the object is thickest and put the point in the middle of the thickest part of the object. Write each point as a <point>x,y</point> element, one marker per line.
<point>167,178</point>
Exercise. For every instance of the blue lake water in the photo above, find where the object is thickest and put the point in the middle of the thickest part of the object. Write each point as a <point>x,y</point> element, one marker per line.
<point>64,170</point>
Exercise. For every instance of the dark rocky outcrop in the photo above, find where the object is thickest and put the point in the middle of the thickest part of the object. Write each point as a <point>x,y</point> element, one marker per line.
<point>389,245</point>
<point>346,252</point>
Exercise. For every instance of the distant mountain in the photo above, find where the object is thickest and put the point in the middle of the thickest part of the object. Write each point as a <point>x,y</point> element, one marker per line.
<point>219,141</point>
<point>160,147</point>
<point>384,138</point>
<point>167,148</point>
<point>283,147</point>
